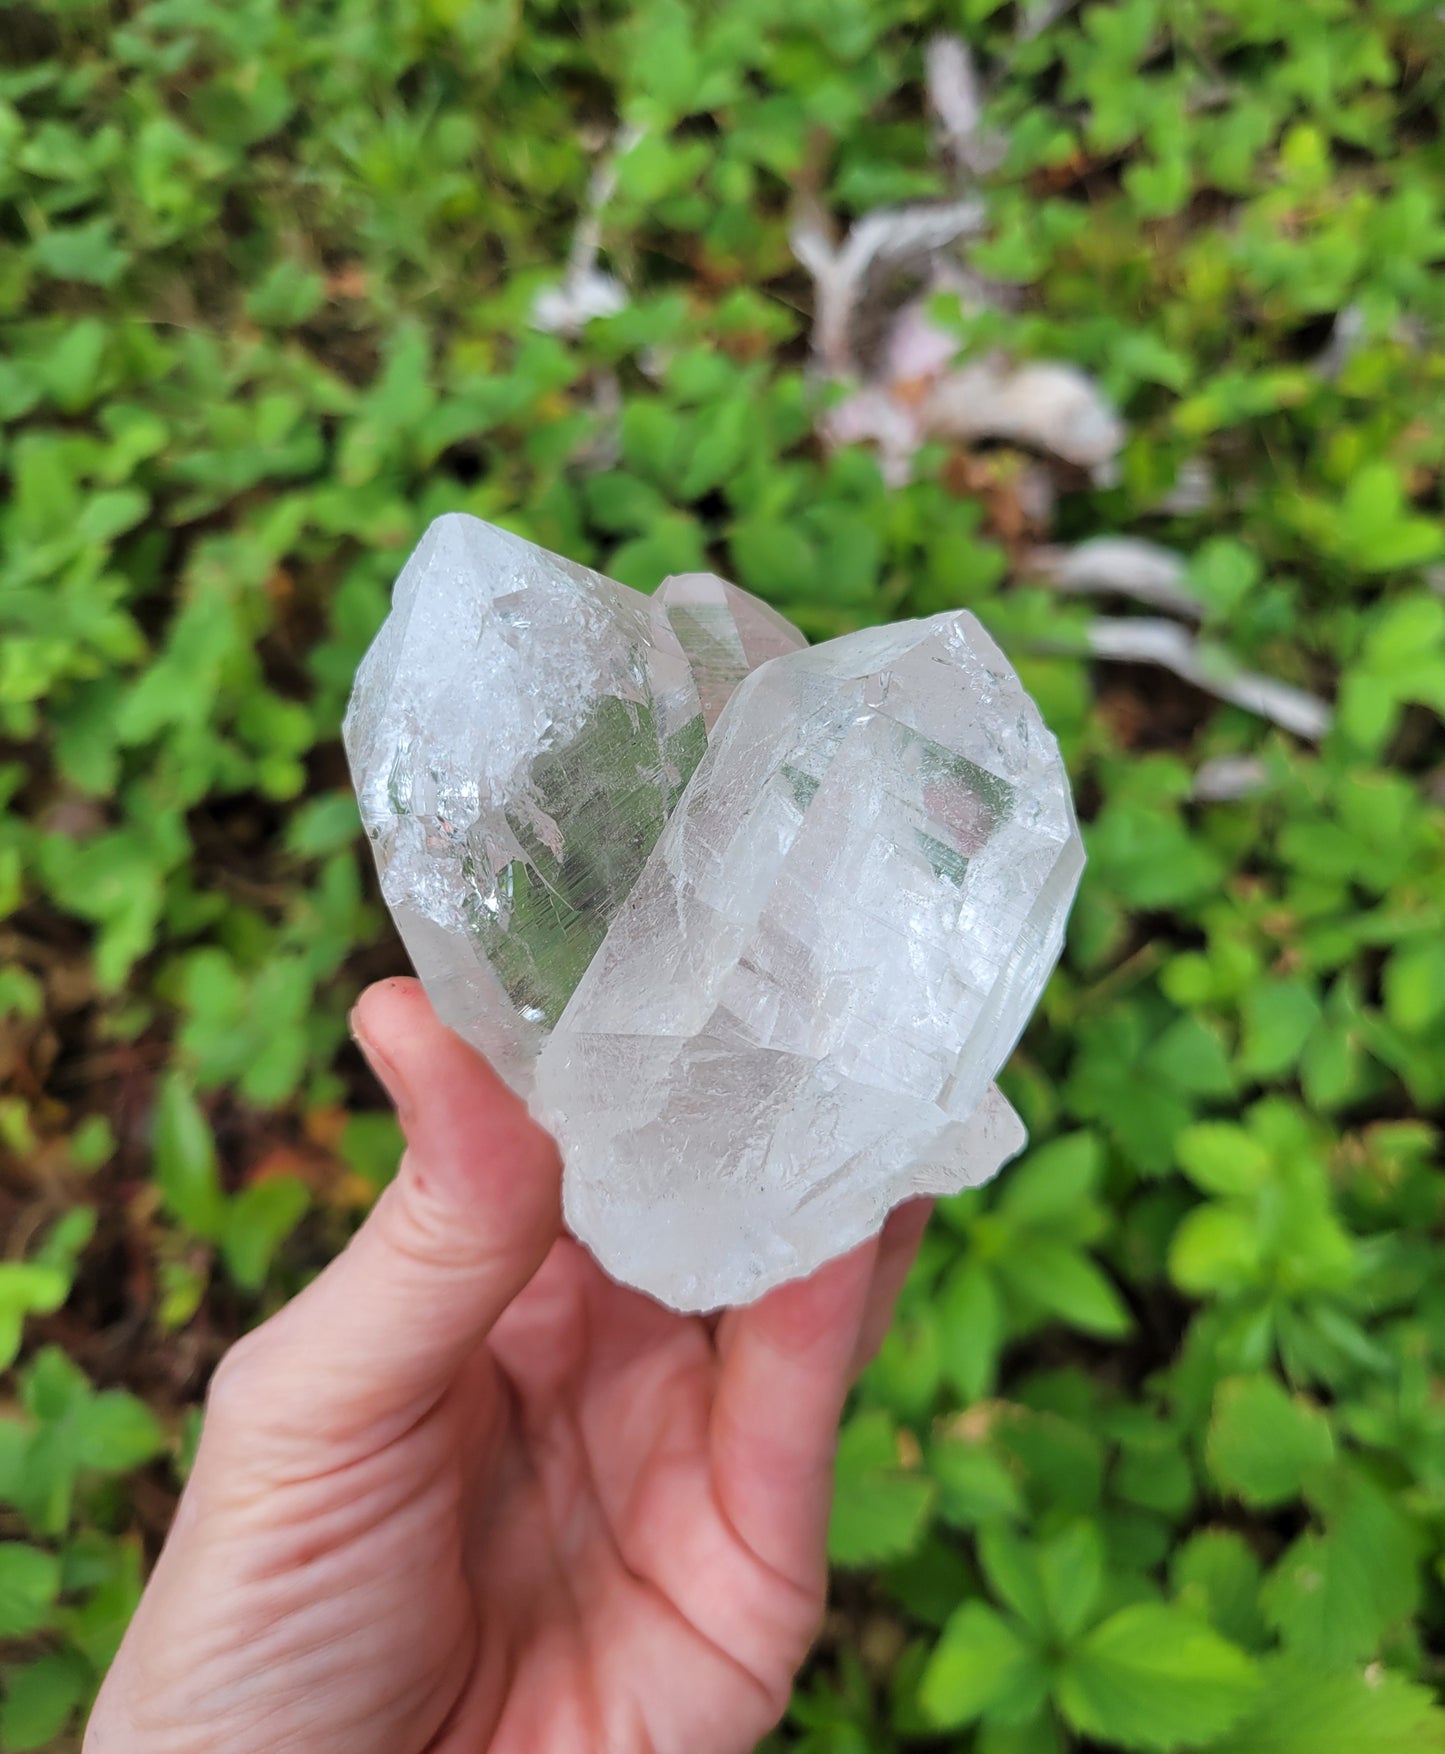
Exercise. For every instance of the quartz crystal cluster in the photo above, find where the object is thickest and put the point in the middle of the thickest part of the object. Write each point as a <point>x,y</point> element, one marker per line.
<point>752,926</point>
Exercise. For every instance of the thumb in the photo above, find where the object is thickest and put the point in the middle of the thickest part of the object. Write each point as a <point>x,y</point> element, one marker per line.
<point>377,1339</point>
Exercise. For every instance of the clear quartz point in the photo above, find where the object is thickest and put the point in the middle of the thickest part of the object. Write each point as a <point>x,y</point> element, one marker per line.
<point>795,1019</point>
<point>518,733</point>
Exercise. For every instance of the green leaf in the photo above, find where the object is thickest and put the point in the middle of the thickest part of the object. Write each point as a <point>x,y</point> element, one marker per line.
<point>1217,1573</point>
<point>1036,1735</point>
<point>96,1627</point>
<point>1155,1677</point>
<point>29,1585</point>
<point>371,1145</point>
<point>1071,1571</point>
<point>1311,1711</point>
<point>26,1288</point>
<point>970,1325</point>
<point>53,1386</point>
<point>1010,1564</point>
<point>115,1432</point>
<point>974,1486</point>
<point>1191,1056</point>
<point>1059,1462</point>
<point>1066,1283</point>
<point>1223,1159</point>
<point>1215,1249</point>
<point>40,1700</point>
<point>1277,1018</point>
<point>880,1510</point>
<point>906,1373</point>
<point>1414,985</point>
<point>981,1665</point>
<point>258,1220</point>
<point>1376,530</point>
<point>1053,1178</point>
<point>652,441</point>
<point>1334,1596</point>
<point>1264,1444</point>
<point>286,295</point>
<point>774,559</point>
<point>87,253</point>
<point>186,1169</point>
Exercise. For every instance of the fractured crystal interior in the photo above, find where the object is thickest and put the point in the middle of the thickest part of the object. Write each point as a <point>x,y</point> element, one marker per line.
<point>793,1021</point>
<point>518,733</point>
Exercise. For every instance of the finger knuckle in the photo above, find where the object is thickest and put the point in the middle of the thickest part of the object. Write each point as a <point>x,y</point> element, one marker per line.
<point>235,1385</point>
<point>428,1232</point>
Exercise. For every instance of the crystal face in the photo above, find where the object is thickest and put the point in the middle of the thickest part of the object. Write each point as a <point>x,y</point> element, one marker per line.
<point>725,633</point>
<point>753,941</point>
<point>794,1019</point>
<point>518,733</point>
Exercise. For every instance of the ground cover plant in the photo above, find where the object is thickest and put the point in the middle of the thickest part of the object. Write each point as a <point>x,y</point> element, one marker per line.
<point>1155,1456</point>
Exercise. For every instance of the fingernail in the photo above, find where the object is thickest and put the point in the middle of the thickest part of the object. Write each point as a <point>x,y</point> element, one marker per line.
<point>386,1074</point>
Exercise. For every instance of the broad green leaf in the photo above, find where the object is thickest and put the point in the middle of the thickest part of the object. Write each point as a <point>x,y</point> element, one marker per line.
<point>1052,1179</point>
<point>371,1145</point>
<point>1010,1563</point>
<point>974,1485</point>
<point>1334,1596</point>
<point>115,1433</point>
<point>1218,1573</point>
<point>981,1665</point>
<point>1036,1735</point>
<point>970,1330</point>
<point>1191,1056</point>
<point>1277,1018</point>
<point>40,1699</point>
<point>29,1584</point>
<point>1154,1677</point>
<point>1414,984</point>
<point>1215,1249</point>
<point>257,1221</point>
<point>27,1287</point>
<point>53,1386</point>
<point>906,1373</point>
<point>1313,1711</point>
<point>1265,1444</point>
<point>1223,1159</point>
<point>86,253</point>
<point>774,559</point>
<point>880,1509</point>
<point>1066,1283</point>
<point>185,1161</point>
<point>96,1627</point>
<point>1071,1571</point>
<point>1060,1463</point>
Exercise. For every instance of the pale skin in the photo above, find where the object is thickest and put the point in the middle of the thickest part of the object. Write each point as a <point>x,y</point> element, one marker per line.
<point>466,1495</point>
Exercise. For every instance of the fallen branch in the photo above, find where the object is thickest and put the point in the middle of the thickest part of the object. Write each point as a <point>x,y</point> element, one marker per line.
<point>955,95</point>
<point>585,291</point>
<point>1171,647</point>
<point>1227,778</point>
<point>1124,566</point>
<point>892,237</point>
<point>1044,404</point>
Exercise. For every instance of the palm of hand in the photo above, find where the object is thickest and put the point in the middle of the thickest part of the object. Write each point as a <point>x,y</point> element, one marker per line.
<point>618,1604</point>
<point>466,1494</point>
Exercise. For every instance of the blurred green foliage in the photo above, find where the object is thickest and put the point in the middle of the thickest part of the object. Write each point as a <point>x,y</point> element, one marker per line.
<point>1155,1455</point>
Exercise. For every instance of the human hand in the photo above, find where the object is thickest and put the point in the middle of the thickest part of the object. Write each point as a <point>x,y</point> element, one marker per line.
<point>466,1494</point>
